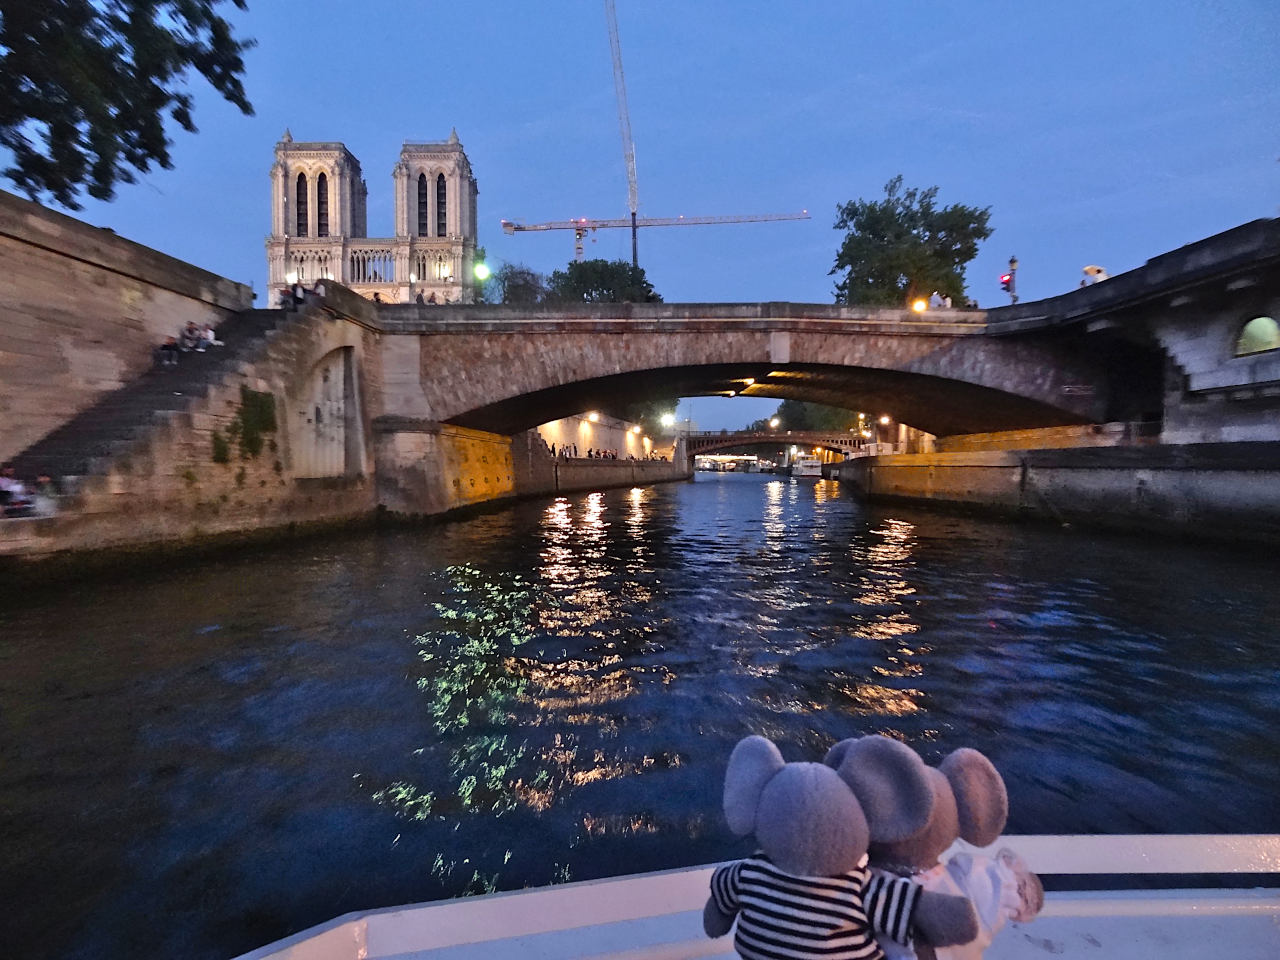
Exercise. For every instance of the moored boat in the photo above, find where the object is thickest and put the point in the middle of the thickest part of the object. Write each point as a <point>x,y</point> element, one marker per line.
<point>806,467</point>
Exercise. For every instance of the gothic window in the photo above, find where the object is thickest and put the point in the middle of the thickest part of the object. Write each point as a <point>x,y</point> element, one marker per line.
<point>441,229</point>
<point>322,206</point>
<point>301,205</point>
<point>424,222</point>
<point>1258,335</point>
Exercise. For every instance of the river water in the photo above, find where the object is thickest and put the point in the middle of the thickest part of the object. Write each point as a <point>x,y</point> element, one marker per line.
<point>198,760</point>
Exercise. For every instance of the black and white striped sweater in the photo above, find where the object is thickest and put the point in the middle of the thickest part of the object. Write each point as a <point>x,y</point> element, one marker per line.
<point>788,917</point>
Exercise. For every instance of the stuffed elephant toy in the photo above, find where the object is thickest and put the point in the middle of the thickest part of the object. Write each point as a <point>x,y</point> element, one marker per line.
<point>970,803</point>
<point>808,891</point>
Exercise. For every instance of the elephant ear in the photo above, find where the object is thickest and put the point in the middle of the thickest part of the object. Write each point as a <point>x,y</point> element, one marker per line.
<point>981,799</point>
<point>836,753</point>
<point>892,784</point>
<point>753,763</point>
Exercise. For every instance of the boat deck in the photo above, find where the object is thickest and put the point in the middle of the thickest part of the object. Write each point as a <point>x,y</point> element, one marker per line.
<point>659,915</point>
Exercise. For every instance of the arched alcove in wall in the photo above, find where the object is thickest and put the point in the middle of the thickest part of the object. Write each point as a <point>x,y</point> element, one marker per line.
<point>324,419</point>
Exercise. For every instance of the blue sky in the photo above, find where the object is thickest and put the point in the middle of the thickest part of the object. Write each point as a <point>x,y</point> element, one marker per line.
<point>1096,132</point>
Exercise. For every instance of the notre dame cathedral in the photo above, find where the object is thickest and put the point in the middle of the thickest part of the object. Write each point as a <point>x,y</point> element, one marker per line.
<point>319,231</point>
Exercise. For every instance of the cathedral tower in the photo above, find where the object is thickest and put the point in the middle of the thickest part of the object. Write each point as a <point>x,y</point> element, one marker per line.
<point>318,222</point>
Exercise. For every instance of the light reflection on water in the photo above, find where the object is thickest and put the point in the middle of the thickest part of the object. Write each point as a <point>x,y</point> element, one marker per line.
<point>550,692</point>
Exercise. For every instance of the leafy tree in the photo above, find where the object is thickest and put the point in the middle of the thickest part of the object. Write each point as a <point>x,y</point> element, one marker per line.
<point>799,415</point>
<point>905,246</point>
<point>517,284</point>
<point>600,281</point>
<point>85,86</point>
<point>648,413</point>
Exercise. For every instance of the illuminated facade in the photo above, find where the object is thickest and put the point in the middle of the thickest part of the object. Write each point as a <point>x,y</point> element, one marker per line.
<point>319,225</point>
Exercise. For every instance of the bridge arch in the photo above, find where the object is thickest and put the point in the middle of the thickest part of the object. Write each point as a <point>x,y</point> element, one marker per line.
<point>503,369</point>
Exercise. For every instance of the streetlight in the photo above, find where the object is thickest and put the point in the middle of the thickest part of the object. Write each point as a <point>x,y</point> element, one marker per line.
<point>481,271</point>
<point>773,423</point>
<point>920,306</point>
<point>593,416</point>
<point>668,419</point>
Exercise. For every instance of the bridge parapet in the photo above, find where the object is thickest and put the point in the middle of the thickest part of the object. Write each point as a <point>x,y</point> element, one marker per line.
<point>411,318</point>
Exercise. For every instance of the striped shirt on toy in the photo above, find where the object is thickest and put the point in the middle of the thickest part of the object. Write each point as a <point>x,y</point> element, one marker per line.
<point>786,917</point>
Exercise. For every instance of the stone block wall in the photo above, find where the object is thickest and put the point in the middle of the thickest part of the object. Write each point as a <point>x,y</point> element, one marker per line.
<point>193,475</point>
<point>603,433</point>
<point>81,310</point>
<point>1223,491</point>
<point>424,467</point>
<point>1043,438</point>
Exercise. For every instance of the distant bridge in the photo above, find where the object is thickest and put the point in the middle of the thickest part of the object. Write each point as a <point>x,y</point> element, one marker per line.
<point>847,442</point>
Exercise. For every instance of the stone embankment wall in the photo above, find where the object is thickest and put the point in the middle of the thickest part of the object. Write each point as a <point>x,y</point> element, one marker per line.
<point>537,472</point>
<point>1045,438</point>
<point>425,467</point>
<point>602,433</point>
<point>230,463</point>
<point>83,309</point>
<point>1224,491</point>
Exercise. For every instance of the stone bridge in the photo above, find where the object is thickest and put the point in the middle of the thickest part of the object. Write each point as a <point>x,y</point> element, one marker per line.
<point>505,369</point>
<point>844,442</point>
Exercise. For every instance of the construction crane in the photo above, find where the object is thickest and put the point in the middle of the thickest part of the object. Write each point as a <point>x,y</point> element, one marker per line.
<point>583,226</point>
<point>624,126</point>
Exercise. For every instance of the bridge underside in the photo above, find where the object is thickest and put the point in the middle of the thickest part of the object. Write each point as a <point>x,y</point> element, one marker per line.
<point>933,404</point>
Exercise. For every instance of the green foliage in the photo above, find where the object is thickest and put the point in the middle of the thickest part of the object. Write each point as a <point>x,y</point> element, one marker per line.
<point>648,413</point>
<point>256,416</point>
<point>85,87</point>
<point>600,281</point>
<point>517,284</point>
<point>221,448</point>
<point>798,415</point>
<point>905,246</point>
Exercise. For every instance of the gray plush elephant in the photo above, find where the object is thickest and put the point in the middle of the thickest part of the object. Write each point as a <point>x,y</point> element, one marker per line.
<point>970,803</point>
<point>808,891</point>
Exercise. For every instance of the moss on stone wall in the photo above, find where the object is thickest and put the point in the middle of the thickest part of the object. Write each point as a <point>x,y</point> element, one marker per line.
<point>221,448</point>
<point>256,416</point>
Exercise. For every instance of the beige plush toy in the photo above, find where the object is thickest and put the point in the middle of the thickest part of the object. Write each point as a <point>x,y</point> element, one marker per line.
<point>808,891</point>
<point>970,802</point>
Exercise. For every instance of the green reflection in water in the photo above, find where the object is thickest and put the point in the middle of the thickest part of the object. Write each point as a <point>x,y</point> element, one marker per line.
<point>472,682</point>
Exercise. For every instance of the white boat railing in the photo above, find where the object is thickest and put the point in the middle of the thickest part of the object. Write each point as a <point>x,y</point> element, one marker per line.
<point>659,915</point>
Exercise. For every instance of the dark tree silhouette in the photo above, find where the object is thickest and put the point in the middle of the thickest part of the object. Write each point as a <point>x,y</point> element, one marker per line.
<point>86,87</point>
<point>905,246</point>
<point>600,281</point>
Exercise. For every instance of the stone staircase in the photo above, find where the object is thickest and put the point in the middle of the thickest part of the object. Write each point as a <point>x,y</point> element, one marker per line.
<point>86,444</point>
